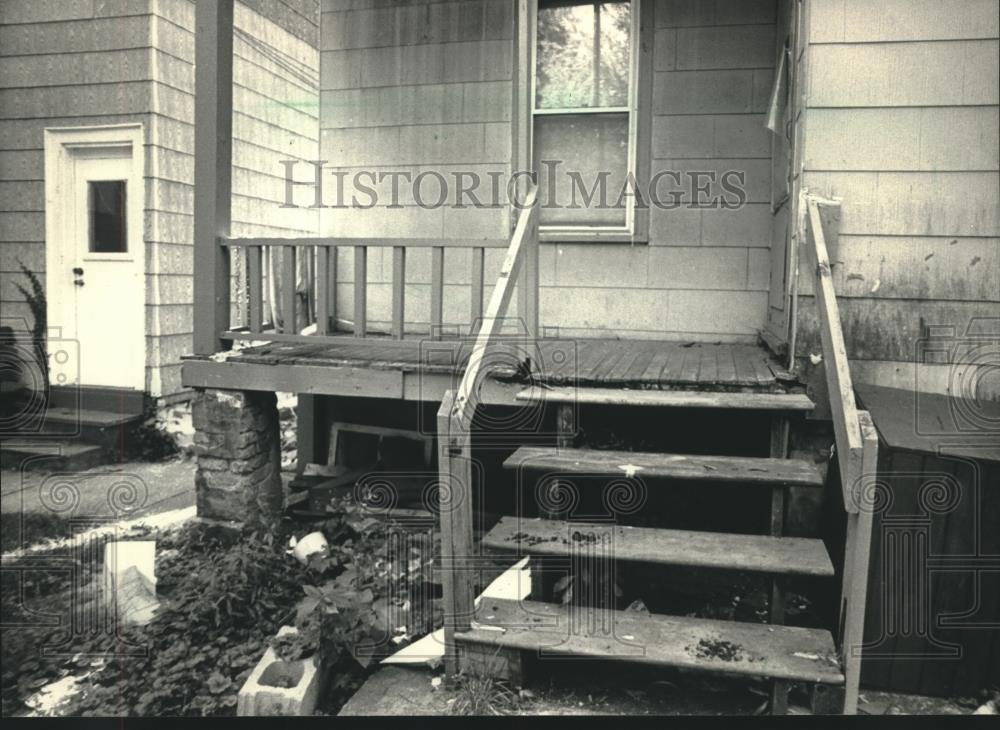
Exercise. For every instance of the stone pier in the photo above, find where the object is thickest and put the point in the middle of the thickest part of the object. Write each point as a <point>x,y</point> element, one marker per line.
<point>237,443</point>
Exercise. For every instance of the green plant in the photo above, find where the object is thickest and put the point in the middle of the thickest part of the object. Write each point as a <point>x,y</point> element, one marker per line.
<point>148,440</point>
<point>35,298</point>
<point>372,570</point>
<point>484,695</point>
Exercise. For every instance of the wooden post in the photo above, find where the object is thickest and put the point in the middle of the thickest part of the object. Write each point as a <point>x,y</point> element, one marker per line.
<point>455,476</point>
<point>857,554</point>
<point>779,450</point>
<point>213,158</point>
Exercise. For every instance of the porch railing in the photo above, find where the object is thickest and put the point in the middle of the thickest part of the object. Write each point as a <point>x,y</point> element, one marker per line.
<point>455,418</point>
<point>306,296</point>
<point>856,443</point>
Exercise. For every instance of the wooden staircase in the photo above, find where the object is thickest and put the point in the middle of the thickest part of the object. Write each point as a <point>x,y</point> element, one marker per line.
<point>781,653</point>
<point>492,636</point>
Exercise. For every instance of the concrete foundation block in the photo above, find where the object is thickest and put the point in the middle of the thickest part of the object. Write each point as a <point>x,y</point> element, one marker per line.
<point>279,688</point>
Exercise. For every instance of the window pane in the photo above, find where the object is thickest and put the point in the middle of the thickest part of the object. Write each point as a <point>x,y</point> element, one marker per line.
<point>107,217</point>
<point>582,58</point>
<point>596,147</point>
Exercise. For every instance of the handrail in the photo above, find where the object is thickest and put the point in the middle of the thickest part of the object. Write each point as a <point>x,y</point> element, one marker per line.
<point>523,243</point>
<point>856,444</point>
<point>335,242</point>
<point>455,420</point>
<point>821,218</point>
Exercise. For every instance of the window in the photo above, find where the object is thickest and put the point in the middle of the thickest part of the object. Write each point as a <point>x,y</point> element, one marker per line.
<point>108,229</point>
<point>583,114</point>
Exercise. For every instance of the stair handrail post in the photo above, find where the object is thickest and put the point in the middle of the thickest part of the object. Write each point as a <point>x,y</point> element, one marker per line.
<point>857,554</point>
<point>454,427</point>
<point>855,437</point>
<point>212,172</point>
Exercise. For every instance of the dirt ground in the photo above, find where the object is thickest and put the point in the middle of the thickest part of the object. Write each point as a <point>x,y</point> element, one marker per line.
<point>400,691</point>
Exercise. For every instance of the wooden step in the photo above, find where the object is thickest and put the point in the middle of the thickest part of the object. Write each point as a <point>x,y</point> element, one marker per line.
<point>670,398</point>
<point>789,472</point>
<point>66,456</point>
<point>796,556</point>
<point>717,647</point>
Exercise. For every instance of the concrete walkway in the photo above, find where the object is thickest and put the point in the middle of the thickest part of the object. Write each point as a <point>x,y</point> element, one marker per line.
<point>116,491</point>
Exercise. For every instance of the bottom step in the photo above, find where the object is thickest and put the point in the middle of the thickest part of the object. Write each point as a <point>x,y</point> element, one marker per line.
<point>717,647</point>
<point>51,456</point>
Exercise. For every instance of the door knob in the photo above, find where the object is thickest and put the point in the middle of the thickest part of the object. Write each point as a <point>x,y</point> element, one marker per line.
<point>77,271</point>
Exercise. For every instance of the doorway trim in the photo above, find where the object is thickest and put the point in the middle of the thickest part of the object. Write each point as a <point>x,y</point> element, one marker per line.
<point>63,146</point>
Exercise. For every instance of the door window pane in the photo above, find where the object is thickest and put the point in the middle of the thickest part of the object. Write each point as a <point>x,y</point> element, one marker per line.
<point>108,228</point>
<point>596,147</point>
<point>582,57</point>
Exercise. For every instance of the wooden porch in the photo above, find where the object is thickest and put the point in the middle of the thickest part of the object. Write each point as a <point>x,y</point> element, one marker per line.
<point>423,369</point>
<point>499,356</point>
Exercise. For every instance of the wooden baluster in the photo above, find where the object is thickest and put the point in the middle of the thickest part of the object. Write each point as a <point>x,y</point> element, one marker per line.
<point>288,294</point>
<point>528,304</point>
<point>360,291</point>
<point>476,294</point>
<point>437,290</point>
<point>256,287</point>
<point>779,450</point>
<point>323,290</point>
<point>398,291</point>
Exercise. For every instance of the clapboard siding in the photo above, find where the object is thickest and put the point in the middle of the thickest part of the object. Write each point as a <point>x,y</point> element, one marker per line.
<point>425,87</point>
<point>275,117</point>
<point>713,71</point>
<point>66,63</point>
<point>79,62</point>
<point>902,124</point>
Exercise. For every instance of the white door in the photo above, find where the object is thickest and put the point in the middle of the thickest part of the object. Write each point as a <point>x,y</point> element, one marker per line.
<point>95,257</point>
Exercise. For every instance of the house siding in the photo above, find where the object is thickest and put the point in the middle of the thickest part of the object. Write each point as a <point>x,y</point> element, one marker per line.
<point>80,62</point>
<point>427,86</point>
<point>50,55</point>
<point>275,117</point>
<point>903,124</point>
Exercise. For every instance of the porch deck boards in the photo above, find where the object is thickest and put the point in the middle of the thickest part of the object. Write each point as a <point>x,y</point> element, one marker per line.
<point>647,364</point>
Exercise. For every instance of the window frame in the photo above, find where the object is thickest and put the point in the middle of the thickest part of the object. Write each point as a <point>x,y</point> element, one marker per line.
<point>636,228</point>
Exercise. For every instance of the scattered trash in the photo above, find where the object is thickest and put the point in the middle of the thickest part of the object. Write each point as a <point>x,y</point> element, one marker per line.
<point>630,469</point>
<point>312,543</point>
<point>279,687</point>
<point>513,584</point>
<point>135,598</point>
<point>806,655</point>
<point>130,581</point>
<point>990,708</point>
<point>436,682</point>
<point>638,606</point>
<point>815,359</point>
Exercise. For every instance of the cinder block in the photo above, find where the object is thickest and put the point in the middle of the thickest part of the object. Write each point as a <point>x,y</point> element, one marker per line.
<point>264,692</point>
